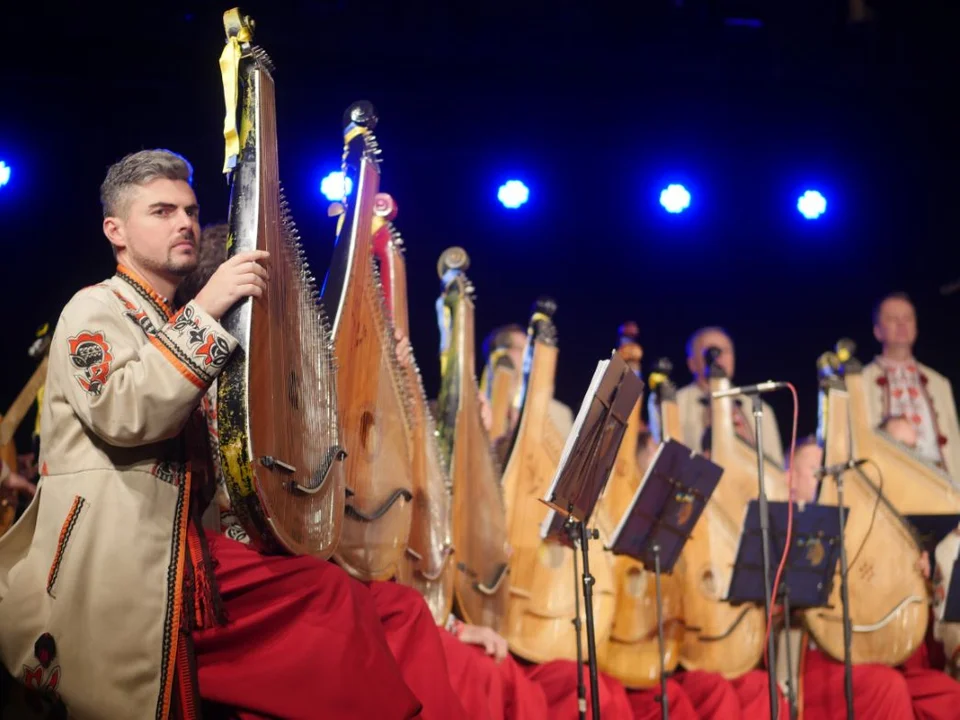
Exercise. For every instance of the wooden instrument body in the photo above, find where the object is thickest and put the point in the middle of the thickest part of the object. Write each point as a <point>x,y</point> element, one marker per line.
<point>371,386</point>
<point>911,485</point>
<point>481,579</point>
<point>541,608</point>
<point>740,483</point>
<point>633,654</point>
<point>427,564</point>
<point>276,415</point>
<point>720,637</point>
<point>503,390</point>
<point>888,595</point>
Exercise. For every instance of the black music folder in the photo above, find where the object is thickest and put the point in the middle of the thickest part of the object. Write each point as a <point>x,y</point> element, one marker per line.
<point>666,507</point>
<point>812,560</point>
<point>592,446</point>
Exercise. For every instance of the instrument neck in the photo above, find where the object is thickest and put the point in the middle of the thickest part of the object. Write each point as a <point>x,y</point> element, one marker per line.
<point>393,277</point>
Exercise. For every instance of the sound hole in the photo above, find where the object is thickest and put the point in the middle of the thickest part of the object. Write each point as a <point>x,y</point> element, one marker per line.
<point>293,390</point>
<point>366,431</point>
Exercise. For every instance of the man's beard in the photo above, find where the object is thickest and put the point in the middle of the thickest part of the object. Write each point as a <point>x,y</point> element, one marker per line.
<point>177,268</point>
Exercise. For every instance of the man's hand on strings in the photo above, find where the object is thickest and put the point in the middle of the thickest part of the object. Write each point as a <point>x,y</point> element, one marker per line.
<point>242,276</point>
<point>404,351</point>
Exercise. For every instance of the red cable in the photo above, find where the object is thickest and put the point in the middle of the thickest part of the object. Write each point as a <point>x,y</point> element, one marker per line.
<point>789,538</point>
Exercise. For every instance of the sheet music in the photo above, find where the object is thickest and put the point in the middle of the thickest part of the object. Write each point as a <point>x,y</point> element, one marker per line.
<point>575,433</point>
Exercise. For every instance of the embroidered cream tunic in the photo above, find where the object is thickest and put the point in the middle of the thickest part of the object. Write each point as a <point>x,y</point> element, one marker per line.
<point>926,399</point>
<point>96,561</point>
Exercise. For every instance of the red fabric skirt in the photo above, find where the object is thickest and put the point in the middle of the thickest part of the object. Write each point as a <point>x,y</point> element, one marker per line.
<point>414,638</point>
<point>879,692</point>
<point>302,640</point>
<point>711,695</point>
<point>645,704</point>
<point>559,682</point>
<point>489,690</point>
<point>934,694</point>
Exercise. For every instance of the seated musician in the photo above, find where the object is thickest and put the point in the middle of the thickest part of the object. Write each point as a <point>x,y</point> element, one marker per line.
<point>113,595</point>
<point>512,338</point>
<point>907,388</point>
<point>13,480</point>
<point>879,691</point>
<point>693,401</point>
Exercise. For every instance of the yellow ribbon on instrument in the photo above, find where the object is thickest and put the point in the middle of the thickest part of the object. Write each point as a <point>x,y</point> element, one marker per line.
<point>486,379</point>
<point>230,74</point>
<point>36,423</point>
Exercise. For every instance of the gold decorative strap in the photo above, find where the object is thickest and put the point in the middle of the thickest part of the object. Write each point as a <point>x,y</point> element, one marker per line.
<point>239,32</point>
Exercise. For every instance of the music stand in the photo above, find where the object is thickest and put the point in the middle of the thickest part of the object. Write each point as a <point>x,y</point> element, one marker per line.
<point>809,570</point>
<point>588,457</point>
<point>658,522</point>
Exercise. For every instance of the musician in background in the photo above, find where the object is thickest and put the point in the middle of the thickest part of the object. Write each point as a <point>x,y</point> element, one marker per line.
<point>879,691</point>
<point>907,388</point>
<point>693,401</point>
<point>123,604</point>
<point>513,340</point>
<point>12,480</point>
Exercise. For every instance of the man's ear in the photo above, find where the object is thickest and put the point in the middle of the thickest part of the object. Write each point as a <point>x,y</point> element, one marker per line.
<point>114,230</point>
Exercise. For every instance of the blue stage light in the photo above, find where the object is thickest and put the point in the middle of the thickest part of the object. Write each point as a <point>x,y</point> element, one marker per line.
<point>812,204</point>
<point>675,198</point>
<point>513,194</point>
<point>336,186</point>
<point>4,173</point>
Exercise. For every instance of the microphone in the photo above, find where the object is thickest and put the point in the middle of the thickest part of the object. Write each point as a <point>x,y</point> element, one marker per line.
<point>821,473</point>
<point>764,387</point>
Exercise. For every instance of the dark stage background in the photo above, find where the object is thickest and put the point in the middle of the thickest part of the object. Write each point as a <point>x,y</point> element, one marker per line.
<point>595,108</point>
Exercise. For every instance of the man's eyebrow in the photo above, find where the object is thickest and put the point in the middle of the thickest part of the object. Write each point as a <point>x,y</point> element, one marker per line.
<point>165,205</point>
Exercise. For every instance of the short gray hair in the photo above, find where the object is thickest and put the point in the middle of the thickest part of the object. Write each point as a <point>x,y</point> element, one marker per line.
<point>138,169</point>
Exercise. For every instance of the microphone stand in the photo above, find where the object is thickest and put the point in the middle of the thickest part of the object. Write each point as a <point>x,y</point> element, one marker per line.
<point>845,599</point>
<point>765,541</point>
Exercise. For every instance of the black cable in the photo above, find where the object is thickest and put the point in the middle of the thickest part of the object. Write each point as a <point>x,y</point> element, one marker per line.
<point>876,507</point>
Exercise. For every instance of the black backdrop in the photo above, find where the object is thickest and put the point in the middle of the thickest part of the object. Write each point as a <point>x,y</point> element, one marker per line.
<point>594,110</point>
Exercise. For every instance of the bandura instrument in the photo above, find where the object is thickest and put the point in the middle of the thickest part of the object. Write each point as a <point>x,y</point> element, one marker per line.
<point>633,655</point>
<point>374,405</point>
<point>912,485</point>
<point>740,483</point>
<point>499,384</point>
<point>539,625</point>
<point>427,564</point>
<point>276,404</point>
<point>14,416</point>
<point>479,519</point>
<point>888,595</point>
<point>719,637</point>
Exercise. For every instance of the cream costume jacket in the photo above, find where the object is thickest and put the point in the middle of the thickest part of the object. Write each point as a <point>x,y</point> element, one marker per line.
<point>933,404</point>
<point>691,406</point>
<point>92,575</point>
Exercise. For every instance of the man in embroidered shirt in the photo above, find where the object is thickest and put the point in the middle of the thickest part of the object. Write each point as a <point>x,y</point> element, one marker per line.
<point>112,595</point>
<point>693,401</point>
<point>901,386</point>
